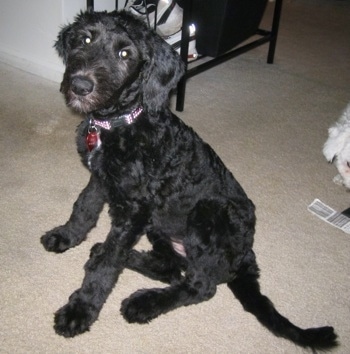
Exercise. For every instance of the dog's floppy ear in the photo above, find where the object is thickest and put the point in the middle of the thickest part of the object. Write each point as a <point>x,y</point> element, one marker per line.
<point>62,43</point>
<point>160,75</point>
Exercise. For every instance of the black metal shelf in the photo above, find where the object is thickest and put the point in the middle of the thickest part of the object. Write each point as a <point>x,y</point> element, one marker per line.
<point>266,36</point>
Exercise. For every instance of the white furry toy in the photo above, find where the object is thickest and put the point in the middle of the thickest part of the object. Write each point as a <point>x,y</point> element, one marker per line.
<point>337,148</point>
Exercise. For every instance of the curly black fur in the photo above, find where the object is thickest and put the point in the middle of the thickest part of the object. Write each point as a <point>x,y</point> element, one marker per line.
<point>158,178</point>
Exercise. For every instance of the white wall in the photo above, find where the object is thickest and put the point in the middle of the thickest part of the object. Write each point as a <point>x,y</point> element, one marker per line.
<point>28,29</point>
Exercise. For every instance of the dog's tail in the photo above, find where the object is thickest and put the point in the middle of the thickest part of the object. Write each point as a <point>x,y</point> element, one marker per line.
<point>247,290</point>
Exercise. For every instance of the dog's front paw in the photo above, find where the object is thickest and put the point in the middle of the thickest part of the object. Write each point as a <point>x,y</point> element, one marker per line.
<point>74,318</point>
<point>141,307</point>
<point>58,240</point>
<point>339,180</point>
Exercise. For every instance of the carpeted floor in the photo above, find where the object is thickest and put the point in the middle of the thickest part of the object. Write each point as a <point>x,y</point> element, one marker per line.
<point>267,122</point>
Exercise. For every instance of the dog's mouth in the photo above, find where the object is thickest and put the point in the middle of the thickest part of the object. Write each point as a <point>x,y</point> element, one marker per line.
<point>83,104</point>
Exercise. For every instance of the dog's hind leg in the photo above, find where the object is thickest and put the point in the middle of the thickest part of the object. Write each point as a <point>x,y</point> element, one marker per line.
<point>155,266</point>
<point>147,304</point>
<point>86,211</point>
<point>161,263</point>
<point>198,284</point>
<point>207,266</point>
<point>247,290</point>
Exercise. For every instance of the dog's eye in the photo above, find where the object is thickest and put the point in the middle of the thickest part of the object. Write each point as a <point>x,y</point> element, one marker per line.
<point>87,40</point>
<point>348,163</point>
<point>123,54</point>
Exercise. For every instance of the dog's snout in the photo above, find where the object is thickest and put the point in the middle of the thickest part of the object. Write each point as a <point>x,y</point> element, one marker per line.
<point>81,85</point>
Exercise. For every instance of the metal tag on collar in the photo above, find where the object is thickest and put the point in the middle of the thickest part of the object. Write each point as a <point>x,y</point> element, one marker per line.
<point>93,136</point>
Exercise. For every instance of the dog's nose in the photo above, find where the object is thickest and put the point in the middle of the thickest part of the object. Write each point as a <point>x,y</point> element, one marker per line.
<point>81,85</point>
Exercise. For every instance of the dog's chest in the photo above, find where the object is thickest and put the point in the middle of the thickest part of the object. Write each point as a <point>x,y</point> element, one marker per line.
<point>125,163</point>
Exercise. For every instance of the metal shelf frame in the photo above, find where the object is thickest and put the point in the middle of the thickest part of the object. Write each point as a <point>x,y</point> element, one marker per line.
<point>265,36</point>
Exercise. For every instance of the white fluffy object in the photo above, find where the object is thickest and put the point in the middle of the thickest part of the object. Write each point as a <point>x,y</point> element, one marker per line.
<point>337,147</point>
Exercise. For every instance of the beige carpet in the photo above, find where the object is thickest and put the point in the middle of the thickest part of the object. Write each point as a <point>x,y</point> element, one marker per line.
<point>267,122</point>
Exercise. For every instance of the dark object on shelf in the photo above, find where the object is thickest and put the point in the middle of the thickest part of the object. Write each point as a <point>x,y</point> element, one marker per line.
<point>222,24</point>
<point>265,36</point>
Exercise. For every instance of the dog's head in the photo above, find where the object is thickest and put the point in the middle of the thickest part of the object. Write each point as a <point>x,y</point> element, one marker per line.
<point>113,61</point>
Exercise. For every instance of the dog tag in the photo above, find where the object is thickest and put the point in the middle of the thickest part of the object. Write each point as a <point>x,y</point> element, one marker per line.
<point>92,138</point>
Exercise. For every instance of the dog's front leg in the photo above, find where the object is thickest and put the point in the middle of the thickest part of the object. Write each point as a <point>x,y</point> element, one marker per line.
<point>86,211</point>
<point>102,270</point>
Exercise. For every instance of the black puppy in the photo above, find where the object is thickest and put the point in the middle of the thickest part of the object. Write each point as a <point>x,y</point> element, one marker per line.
<point>159,179</point>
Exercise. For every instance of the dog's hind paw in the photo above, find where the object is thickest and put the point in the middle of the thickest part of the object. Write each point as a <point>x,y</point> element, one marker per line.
<point>141,307</point>
<point>74,318</point>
